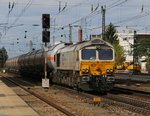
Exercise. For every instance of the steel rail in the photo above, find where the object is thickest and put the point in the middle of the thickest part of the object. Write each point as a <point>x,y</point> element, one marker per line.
<point>68,113</point>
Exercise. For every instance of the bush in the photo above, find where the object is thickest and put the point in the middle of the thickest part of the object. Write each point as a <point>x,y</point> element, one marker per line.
<point>148,64</point>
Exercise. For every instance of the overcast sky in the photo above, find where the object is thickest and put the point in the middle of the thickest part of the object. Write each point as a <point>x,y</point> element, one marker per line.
<point>20,18</point>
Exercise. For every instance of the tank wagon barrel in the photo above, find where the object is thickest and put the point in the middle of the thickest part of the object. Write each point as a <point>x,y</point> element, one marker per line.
<point>87,65</point>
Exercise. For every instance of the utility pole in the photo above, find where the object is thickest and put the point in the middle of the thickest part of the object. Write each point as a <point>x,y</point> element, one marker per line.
<point>135,56</point>
<point>31,45</point>
<point>70,33</point>
<point>103,10</point>
<point>59,6</point>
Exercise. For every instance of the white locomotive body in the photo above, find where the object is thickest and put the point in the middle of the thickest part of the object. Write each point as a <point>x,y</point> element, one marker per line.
<point>87,65</point>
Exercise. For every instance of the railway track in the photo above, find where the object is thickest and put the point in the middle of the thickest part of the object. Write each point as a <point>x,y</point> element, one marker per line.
<point>133,100</point>
<point>143,94</point>
<point>135,103</point>
<point>138,102</point>
<point>48,101</point>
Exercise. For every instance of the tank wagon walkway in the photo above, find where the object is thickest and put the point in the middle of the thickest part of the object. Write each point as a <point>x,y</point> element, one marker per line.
<point>11,104</point>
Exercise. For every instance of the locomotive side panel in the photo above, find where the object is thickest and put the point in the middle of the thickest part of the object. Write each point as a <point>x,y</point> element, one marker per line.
<point>67,60</point>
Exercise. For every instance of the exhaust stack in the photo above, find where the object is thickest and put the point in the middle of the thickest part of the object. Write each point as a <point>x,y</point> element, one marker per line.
<point>80,35</point>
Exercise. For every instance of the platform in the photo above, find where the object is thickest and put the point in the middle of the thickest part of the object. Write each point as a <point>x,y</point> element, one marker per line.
<point>11,104</point>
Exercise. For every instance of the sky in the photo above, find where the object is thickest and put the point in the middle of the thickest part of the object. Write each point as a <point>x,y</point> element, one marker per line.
<point>21,20</point>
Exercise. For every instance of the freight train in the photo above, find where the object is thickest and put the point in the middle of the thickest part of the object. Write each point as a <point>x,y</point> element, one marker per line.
<point>88,65</point>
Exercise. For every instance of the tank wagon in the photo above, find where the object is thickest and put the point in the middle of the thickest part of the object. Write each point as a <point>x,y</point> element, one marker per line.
<point>88,65</point>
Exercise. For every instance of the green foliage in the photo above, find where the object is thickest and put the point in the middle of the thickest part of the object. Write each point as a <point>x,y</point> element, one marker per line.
<point>111,35</point>
<point>119,54</point>
<point>148,64</point>
<point>143,48</point>
<point>3,56</point>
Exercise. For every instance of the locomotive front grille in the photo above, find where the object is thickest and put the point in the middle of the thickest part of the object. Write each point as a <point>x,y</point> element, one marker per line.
<point>96,68</point>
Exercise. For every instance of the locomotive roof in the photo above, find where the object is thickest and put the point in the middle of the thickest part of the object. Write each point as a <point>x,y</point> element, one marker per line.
<point>67,47</point>
<point>83,44</point>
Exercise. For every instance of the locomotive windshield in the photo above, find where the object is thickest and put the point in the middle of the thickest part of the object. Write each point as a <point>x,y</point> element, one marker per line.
<point>88,54</point>
<point>105,54</point>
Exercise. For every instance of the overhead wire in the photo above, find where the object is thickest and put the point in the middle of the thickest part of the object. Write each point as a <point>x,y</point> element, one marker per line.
<point>98,12</point>
<point>7,26</point>
<point>21,13</point>
<point>116,3</point>
<point>128,19</point>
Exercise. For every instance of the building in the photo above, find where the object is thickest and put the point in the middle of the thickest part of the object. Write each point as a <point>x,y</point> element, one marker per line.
<point>126,40</point>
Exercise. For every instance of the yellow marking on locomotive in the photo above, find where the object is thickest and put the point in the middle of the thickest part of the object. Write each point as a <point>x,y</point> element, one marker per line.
<point>95,67</point>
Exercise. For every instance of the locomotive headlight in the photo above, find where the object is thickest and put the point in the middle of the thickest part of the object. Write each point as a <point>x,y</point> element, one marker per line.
<point>111,70</point>
<point>85,70</point>
<point>107,70</point>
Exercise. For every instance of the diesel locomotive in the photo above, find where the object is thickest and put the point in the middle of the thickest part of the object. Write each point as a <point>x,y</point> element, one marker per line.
<point>88,65</point>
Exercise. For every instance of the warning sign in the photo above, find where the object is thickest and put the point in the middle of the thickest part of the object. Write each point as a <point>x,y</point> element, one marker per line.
<point>45,82</point>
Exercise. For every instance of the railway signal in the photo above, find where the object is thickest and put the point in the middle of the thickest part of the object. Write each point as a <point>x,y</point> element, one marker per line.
<point>46,36</point>
<point>45,39</point>
<point>46,21</point>
<point>46,26</point>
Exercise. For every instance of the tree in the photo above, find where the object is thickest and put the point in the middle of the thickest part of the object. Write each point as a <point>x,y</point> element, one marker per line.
<point>143,48</point>
<point>148,64</point>
<point>119,54</point>
<point>3,56</point>
<point>112,37</point>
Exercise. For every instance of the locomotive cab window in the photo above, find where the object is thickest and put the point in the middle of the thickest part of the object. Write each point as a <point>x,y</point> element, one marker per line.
<point>105,54</point>
<point>88,54</point>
